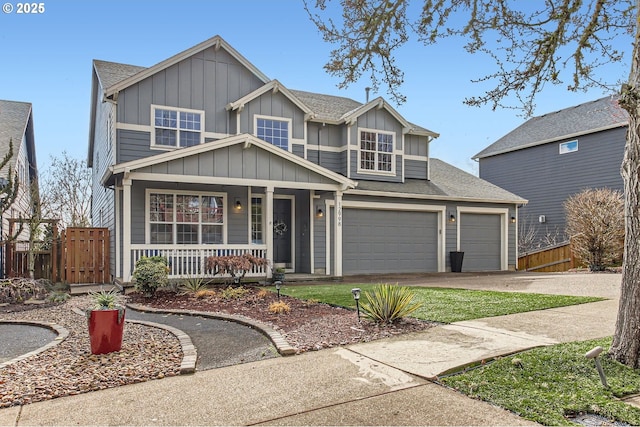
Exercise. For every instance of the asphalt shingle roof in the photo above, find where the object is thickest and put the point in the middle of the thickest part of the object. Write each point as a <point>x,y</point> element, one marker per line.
<point>111,73</point>
<point>14,117</point>
<point>581,119</point>
<point>447,181</point>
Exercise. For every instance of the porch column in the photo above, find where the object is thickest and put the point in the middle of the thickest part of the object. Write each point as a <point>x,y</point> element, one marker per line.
<point>337,234</point>
<point>126,230</point>
<point>268,233</point>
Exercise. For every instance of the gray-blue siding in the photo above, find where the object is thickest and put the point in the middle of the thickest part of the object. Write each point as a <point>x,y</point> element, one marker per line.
<point>546,178</point>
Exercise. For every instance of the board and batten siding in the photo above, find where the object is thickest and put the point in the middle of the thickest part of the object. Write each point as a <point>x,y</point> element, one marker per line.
<point>276,106</point>
<point>206,81</point>
<point>546,178</point>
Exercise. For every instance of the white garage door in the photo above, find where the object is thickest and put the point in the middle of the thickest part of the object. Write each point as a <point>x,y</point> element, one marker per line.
<point>380,241</point>
<point>480,241</point>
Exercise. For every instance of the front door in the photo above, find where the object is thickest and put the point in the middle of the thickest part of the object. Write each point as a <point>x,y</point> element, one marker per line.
<point>282,228</point>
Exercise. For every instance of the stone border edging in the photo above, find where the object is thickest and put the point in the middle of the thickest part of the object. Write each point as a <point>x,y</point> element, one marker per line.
<point>62,332</point>
<point>189,351</point>
<point>282,346</point>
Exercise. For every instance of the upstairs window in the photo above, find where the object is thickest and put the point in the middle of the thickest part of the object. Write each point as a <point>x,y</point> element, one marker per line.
<point>273,131</point>
<point>568,147</point>
<point>376,152</point>
<point>175,128</point>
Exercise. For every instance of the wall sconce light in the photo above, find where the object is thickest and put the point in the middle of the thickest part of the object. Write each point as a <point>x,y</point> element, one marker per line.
<point>356,296</point>
<point>452,218</point>
<point>319,213</point>
<point>513,219</point>
<point>238,205</point>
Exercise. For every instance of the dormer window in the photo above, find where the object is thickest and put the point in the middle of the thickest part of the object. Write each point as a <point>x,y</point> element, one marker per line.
<point>176,127</point>
<point>274,131</point>
<point>376,152</point>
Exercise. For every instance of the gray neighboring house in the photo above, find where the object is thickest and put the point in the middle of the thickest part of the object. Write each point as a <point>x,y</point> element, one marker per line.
<point>553,156</point>
<point>203,155</point>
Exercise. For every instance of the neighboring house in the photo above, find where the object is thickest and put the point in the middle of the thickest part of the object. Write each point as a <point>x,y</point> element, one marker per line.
<point>202,154</point>
<point>551,157</point>
<point>16,127</point>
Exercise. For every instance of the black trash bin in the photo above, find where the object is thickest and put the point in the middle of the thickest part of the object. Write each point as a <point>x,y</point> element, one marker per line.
<point>456,261</point>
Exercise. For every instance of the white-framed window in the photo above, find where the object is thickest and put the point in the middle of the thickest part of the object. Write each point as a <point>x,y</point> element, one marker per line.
<point>273,130</point>
<point>257,220</point>
<point>568,147</point>
<point>185,217</point>
<point>376,151</point>
<point>176,127</point>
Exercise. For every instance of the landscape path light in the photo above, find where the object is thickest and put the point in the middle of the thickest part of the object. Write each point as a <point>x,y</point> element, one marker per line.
<point>593,354</point>
<point>278,284</point>
<point>356,296</point>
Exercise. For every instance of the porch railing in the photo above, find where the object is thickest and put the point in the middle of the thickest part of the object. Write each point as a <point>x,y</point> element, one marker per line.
<point>191,261</point>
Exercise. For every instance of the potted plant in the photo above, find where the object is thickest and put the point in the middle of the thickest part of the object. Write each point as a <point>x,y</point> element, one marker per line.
<point>106,322</point>
<point>278,274</point>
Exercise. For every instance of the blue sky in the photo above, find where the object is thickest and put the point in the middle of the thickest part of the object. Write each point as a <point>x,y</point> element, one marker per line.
<point>46,60</point>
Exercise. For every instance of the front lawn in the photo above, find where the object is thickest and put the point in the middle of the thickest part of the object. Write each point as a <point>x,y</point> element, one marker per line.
<point>444,304</point>
<point>549,385</point>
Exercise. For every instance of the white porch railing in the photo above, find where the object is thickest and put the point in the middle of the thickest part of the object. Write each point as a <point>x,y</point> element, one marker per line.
<point>191,261</point>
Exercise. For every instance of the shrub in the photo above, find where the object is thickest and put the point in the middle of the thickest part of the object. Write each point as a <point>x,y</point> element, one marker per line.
<point>205,293</point>
<point>388,303</point>
<point>262,293</point>
<point>58,296</point>
<point>279,307</point>
<point>192,285</point>
<point>595,223</point>
<point>150,273</point>
<point>17,289</point>
<point>233,293</point>
<point>236,266</point>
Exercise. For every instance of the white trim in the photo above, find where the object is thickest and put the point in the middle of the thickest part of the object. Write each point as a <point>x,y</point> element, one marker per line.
<point>275,86</point>
<point>327,148</point>
<point>289,122</point>
<point>566,144</point>
<point>215,41</point>
<point>178,129</point>
<point>312,218</point>
<point>504,229</point>
<point>118,234</point>
<point>431,197</point>
<point>232,140</point>
<point>147,223</point>
<point>327,233</point>
<point>126,229</point>
<point>147,129</point>
<point>415,157</point>
<point>354,204</point>
<point>252,196</point>
<point>394,152</point>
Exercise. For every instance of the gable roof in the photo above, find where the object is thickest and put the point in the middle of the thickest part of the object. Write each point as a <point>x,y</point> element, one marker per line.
<point>110,73</point>
<point>590,117</point>
<point>216,41</point>
<point>16,122</point>
<point>244,139</point>
<point>446,183</point>
<point>275,86</point>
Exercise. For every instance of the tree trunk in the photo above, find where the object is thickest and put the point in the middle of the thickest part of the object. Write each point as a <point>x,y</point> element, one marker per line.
<point>626,341</point>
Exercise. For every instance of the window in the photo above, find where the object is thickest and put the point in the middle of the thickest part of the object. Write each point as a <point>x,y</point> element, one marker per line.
<point>176,128</point>
<point>376,151</point>
<point>273,131</point>
<point>568,147</point>
<point>186,218</point>
<point>256,221</point>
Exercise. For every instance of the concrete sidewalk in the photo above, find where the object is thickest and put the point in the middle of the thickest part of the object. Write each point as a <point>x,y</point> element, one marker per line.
<point>383,382</point>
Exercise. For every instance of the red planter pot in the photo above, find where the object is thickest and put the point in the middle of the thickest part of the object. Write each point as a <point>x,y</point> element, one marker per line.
<point>105,331</point>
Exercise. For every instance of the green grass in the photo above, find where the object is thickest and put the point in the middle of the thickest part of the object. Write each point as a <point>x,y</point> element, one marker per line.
<point>545,384</point>
<point>444,304</point>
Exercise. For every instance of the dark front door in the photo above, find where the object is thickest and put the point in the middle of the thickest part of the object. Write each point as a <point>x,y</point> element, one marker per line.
<point>282,226</point>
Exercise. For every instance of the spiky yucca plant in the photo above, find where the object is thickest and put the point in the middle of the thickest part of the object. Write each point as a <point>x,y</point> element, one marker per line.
<point>388,303</point>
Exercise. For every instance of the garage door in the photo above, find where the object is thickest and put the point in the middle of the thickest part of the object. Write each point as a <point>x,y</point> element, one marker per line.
<point>480,241</point>
<point>379,241</point>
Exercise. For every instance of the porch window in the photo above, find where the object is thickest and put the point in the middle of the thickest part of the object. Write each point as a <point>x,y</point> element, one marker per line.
<point>256,221</point>
<point>186,218</point>
<point>376,151</point>
<point>174,128</point>
<point>273,131</point>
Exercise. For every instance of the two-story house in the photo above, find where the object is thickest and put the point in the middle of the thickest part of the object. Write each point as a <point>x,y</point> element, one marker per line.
<point>549,158</point>
<point>16,131</point>
<point>202,154</point>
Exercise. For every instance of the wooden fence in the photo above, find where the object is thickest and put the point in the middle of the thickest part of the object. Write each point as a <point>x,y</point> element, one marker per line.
<point>80,255</point>
<point>553,259</point>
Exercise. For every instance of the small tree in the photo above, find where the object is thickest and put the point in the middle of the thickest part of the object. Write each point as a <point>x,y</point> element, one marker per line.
<point>595,222</point>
